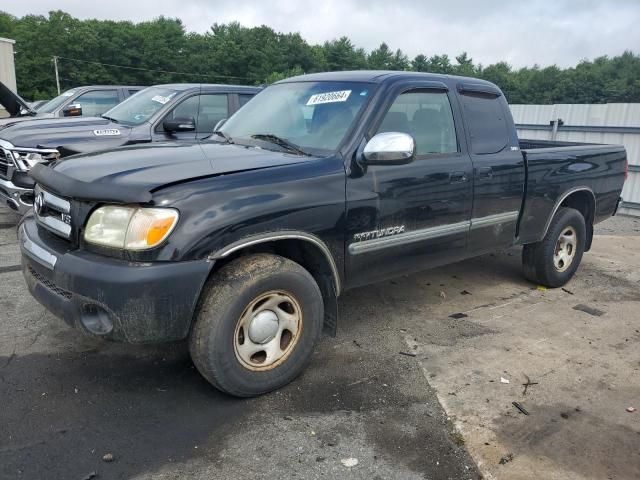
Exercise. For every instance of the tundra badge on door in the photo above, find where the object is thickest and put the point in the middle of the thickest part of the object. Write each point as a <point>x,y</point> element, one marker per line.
<point>383,232</point>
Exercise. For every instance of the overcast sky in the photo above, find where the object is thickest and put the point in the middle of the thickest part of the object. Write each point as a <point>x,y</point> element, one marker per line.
<point>521,32</point>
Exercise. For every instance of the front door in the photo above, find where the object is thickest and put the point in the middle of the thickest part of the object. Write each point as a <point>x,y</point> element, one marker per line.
<point>409,217</point>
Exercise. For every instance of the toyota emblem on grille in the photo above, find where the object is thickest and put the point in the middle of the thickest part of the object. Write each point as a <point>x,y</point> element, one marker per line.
<point>38,203</point>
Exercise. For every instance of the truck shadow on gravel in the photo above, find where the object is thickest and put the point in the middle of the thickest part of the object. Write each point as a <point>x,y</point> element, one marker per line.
<point>62,412</point>
<point>149,406</point>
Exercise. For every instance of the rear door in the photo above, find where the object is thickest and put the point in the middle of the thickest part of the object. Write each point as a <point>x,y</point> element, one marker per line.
<point>498,167</point>
<point>403,218</point>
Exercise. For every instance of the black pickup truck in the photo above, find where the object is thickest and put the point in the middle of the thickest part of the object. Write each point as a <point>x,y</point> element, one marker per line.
<point>321,183</point>
<point>159,113</point>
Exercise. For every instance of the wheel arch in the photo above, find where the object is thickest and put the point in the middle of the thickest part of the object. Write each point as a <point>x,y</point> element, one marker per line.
<point>579,198</point>
<point>303,248</point>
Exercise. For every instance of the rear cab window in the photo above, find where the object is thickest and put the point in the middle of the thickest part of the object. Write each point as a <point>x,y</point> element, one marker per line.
<point>486,122</point>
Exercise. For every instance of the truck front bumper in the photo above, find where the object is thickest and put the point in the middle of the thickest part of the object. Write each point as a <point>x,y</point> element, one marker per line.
<point>108,297</point>
<point>17,198</point>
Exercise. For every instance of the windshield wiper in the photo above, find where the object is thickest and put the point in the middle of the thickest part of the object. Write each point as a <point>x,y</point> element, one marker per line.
<point>281,142</point>
<point>223,135</point>
<point>110,118</point>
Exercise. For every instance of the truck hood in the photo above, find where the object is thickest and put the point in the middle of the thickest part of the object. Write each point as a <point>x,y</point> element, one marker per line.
<point>68,135</point>
<point>13,103</point>
<point>132,172</point>
<point>7,122</point>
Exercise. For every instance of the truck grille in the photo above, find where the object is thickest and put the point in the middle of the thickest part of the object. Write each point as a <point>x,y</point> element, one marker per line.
<point>52,212</point>
<point>6,161</point>
<point>50,285</point>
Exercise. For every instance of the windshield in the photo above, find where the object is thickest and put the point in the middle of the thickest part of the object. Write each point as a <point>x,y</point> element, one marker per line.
<point>141,106</point>
<point>314,116</point>
<point>52,105</point>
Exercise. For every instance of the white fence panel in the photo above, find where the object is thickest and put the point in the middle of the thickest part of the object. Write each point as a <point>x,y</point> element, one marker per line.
<point>616,123</point>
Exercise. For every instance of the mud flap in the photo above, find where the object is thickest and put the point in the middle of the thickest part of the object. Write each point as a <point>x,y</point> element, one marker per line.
<point>330,324</point>
<point>589,227</point>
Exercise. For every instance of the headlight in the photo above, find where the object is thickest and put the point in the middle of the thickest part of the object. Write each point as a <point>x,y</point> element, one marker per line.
<point>130,228</point>
<point>27,158</point>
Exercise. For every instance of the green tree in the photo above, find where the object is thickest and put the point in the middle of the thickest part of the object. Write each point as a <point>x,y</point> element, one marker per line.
<point>464,66</point>
<point>420,63</point>
<point>162,51</point>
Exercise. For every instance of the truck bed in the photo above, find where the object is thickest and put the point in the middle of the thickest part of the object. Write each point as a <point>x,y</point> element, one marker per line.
<point>554,167</point>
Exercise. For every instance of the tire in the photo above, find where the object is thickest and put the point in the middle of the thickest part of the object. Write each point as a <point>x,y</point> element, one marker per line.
<point>241,307</point>
<point>544,263</point>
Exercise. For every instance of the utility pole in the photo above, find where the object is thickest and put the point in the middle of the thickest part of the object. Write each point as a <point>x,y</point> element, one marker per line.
<point>55,66</point>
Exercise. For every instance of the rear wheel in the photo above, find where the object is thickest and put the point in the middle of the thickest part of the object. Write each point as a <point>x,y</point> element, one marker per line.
<point>553,261</point>
<point>259,319</point>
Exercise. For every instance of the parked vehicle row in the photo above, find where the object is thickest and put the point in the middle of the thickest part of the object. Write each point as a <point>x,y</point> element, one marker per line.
<point>242,243</point>
<point>160,113</point>
<point>89,101</point>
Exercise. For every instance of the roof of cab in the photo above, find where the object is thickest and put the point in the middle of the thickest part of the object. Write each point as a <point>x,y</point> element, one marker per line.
<point>86,87</point>
<point>379,76</point>
<point>209,86</point>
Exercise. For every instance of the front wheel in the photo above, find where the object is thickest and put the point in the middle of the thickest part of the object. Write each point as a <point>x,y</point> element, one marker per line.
<point>259,319</point>
<point>553,261</point>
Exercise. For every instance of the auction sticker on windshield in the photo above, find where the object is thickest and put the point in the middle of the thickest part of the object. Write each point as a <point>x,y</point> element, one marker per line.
<point>329,97</point>
<point>161,99</point>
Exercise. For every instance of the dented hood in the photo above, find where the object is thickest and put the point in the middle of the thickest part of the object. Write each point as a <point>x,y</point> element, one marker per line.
<point>145,168</point>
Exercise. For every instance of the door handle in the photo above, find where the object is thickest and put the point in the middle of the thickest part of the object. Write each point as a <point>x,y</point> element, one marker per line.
<point>458,177</point>
<point>485,172</point>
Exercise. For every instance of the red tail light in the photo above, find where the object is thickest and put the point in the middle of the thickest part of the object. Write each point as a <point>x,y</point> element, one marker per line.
<point>626,168</point>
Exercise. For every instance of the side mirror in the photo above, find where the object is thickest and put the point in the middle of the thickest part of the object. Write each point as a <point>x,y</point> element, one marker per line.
<point>219,124</point>
<point>73,110</point>
<point>186,124</point>
<point>390,148</point>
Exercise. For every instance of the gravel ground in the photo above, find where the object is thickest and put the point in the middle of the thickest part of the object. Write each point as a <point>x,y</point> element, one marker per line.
<point>67,400</point>
<point>619,225</point>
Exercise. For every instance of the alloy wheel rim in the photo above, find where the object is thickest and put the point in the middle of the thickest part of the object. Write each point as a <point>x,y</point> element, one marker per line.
<point>268,331</point>
<point>565,250</point>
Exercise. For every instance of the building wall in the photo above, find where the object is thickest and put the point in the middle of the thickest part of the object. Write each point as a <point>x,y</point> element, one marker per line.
<point>7,67</point>
<point>616,123</point>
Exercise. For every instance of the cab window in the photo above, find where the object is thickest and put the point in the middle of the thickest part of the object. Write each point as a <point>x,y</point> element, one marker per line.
<point>206,110</point>
<point>212,109</point>
<point>427,116</point>
<point>97,102</point>
<point>487,122</point>
<point>244,98</point>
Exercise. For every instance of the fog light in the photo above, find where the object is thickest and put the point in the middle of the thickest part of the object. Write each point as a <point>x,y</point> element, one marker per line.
<point>95,319</point>
<point>27,198</point>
